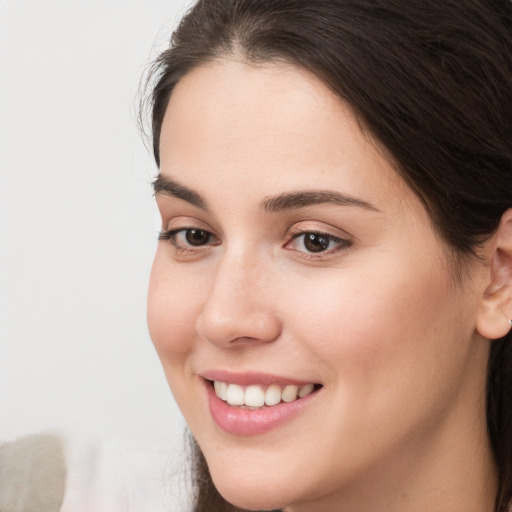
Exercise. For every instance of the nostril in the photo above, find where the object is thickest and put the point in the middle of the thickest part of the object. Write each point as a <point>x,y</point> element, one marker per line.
<point>231,320</point>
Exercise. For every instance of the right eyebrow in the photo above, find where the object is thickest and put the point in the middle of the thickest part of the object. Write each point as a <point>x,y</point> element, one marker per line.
<point>167,186</point>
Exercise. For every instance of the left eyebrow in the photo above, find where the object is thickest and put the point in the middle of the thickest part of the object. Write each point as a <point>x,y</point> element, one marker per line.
<point>304,198</point>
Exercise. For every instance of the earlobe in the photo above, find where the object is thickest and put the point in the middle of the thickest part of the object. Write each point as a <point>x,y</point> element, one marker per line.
<point>495,313</point>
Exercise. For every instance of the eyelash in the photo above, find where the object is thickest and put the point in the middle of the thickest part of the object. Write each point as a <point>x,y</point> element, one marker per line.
<point>340,243</point>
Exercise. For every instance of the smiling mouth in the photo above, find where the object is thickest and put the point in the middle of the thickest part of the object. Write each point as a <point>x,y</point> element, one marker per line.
<point>257,396</point>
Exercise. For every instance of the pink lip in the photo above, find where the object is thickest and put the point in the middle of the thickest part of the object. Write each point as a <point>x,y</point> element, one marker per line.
<point>245,422</point>
<point>248,378</point>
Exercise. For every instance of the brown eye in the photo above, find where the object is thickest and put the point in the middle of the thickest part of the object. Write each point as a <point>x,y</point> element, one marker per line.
<point>189,238</point>
<point>316,242</point>
<point>197,237</point>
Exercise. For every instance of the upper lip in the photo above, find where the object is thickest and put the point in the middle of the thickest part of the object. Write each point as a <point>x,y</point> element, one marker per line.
<point>251,377</point>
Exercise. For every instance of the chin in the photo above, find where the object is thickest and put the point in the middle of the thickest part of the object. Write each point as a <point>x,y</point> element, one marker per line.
<point>250,494</point>
<point>256,500</point>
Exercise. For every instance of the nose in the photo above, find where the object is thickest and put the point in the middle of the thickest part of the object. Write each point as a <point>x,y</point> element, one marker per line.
<point>239,307</point>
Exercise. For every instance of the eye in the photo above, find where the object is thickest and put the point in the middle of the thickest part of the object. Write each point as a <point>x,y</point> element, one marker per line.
<point>317,242</point>
<point>189,237</point>
<point>196,237</point>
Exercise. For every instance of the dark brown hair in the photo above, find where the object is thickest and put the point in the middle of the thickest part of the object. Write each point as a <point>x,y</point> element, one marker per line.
<point>430,80</point>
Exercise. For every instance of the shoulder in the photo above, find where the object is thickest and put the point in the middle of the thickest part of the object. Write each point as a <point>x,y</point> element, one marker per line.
<point>118,474</point>
<point>52,473</point>
<point>32,473</point>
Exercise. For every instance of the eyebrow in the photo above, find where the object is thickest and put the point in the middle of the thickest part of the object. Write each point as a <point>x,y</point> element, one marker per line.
<point>304,198</point>
<point>170,187</point>
<point>285,201</point>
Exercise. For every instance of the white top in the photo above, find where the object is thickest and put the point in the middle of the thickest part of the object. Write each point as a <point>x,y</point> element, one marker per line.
<point>104,475</point>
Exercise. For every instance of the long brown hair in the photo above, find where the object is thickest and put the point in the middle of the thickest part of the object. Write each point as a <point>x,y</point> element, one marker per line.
<point>431,80</point>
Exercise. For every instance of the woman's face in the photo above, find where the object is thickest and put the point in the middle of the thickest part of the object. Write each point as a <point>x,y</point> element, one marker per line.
<point>294,261</point>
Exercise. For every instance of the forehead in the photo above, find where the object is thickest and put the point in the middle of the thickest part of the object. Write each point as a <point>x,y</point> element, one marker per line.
<point>244,100</point>
<point>267,127</point>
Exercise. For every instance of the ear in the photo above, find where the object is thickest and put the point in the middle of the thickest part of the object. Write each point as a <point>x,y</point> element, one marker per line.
<point>496,308</point>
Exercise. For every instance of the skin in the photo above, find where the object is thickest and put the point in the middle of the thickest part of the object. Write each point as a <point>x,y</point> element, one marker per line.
<point>399,424</point>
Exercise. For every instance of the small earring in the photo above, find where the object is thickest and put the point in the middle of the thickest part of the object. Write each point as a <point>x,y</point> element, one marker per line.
<point>510,322</point>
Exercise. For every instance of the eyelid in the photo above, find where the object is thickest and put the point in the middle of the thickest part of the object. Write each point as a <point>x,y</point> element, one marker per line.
<point>302,227</point>
<point>177,223</point>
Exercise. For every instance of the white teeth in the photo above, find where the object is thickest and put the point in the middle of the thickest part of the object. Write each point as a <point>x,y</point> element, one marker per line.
<point>256,396</point>
<point>306,390</point>
<point>273,395</point>
<point>221,389</point>
<point>290,393</point>
<point>235,395</point>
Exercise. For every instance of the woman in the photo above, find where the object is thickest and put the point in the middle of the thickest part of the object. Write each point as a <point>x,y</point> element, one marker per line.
<point>332,290</point>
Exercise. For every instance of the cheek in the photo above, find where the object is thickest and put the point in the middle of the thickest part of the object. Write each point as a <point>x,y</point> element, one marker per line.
<point>384,334</point>
<point>172,311</point>
<point>360,309</point>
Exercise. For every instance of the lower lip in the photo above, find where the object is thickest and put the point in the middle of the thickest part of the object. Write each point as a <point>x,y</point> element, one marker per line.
<point>246,422</point>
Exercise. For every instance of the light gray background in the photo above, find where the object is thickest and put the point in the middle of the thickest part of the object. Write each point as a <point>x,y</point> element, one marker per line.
<point>77,222</point>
